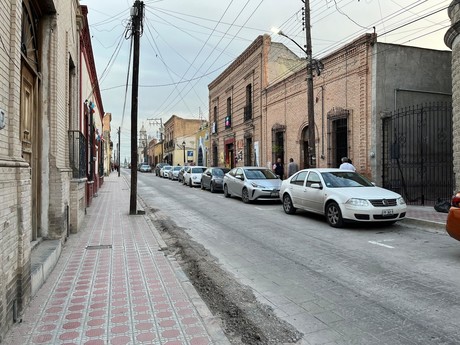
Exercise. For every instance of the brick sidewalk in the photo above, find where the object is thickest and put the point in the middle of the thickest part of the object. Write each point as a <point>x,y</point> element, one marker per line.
<point>112,285</point>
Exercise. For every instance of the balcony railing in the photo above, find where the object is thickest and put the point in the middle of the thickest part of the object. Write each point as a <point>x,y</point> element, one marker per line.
<point>77,154</point>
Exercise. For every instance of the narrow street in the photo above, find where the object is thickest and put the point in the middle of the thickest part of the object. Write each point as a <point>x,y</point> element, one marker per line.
<point>363,284</point>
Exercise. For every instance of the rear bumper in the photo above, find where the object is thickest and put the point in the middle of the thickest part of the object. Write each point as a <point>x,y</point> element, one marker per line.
<point>453,223</point>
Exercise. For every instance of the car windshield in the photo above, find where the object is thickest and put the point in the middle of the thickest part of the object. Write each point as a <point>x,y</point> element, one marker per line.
<point>218,172</point>
<point>177,168</point>
<point>259,174</point>
<point>167,167</point>
<point>198,170</point>
<point>343,179</point>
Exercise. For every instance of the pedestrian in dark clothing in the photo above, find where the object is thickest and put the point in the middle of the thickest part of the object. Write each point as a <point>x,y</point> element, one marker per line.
<point>278,168</point>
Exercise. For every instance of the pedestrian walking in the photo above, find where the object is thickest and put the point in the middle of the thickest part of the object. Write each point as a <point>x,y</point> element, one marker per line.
<point>346,165</point>
<point>278,168</point>
<point>292,167</point>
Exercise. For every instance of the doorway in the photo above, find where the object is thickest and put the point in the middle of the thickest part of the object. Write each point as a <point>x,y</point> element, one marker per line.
<point>340,130</point>
<point>30,143</point>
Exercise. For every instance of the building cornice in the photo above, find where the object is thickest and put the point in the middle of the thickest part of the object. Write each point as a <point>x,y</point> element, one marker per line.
<point>258,42</point>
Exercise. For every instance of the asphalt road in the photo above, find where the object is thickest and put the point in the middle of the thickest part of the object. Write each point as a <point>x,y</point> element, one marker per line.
<point>363,284</point>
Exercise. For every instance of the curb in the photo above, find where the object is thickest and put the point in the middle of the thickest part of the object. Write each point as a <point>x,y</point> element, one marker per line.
<point>424,224</point>
<point>212,323</point>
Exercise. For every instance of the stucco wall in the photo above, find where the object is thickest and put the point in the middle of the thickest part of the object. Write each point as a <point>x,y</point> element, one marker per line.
<point>405,76</point>
<point>452,39</point>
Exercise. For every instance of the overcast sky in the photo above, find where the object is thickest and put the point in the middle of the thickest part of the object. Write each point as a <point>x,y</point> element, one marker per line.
<point>187,43</point>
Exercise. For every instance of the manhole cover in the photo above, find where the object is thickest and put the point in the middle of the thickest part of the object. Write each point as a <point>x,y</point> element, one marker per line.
<point>101,246</point>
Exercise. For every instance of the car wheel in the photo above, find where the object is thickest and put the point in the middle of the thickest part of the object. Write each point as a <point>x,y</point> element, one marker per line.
<point>190,183</point>
<point>211,188</point>
<point>334,215</point>
<point>245,196</point>
<point>287,204</point>
<point>226,193</point>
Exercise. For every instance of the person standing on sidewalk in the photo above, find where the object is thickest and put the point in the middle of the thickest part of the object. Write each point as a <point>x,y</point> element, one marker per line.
<point>278,168</point>
<point>346,165</point>
<point>292,167</point>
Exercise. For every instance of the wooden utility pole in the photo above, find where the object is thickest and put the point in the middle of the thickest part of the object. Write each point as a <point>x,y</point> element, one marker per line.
<point>310,105</point>
<point>137,14</point>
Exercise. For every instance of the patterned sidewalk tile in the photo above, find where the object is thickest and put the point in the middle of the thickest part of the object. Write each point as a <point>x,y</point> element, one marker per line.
<point>112,285</point>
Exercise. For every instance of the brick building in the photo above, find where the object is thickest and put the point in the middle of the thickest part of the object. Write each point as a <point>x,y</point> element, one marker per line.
<point>237,120</point>
<point>342,110</point>
<point>367,100</point>
<point>40,110</point>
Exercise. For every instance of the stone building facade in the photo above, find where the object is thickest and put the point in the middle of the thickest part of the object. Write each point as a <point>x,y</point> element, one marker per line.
<point>39,107</point>
<point>452,40</point>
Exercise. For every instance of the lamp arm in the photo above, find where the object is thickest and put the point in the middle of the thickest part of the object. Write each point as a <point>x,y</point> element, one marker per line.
<point>289,38</point>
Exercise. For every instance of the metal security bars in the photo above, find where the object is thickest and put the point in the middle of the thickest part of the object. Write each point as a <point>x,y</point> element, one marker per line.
<point>417,153</point>
<point>77,154</point>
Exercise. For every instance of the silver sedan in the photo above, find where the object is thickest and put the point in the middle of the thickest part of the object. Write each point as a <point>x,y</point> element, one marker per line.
<point>251,183</point>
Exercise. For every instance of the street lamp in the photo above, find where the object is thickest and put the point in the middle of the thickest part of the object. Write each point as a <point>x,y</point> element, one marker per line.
<point>183,146</point>
<point>310,109</point>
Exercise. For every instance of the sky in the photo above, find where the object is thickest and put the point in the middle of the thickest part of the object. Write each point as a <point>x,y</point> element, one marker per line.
<point>186,44</point>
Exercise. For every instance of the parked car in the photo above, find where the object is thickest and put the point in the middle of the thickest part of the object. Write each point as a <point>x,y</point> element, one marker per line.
<point>213,179</point>
<point>174,172</point>
<point>453,218</point>
<point>158,168</point>
<point>251,183</point>
<point>180,174</point>
<point>164,171</point>
<point>145,168</point>
<point>192,175</point>
<point>341,196</point>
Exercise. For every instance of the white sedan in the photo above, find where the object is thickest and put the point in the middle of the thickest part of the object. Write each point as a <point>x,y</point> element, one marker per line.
<point>192,175</point>
<point>341,196</point>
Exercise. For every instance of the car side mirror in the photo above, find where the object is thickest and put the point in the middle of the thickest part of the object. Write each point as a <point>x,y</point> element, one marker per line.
<point>316,186</point>
<point>240,177</point>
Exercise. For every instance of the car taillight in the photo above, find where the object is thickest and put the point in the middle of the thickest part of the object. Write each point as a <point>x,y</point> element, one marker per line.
<point>456,200</point>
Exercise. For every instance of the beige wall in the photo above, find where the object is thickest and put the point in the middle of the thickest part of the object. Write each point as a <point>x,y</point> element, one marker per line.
<point>176,131</point>
<point>55,97</point>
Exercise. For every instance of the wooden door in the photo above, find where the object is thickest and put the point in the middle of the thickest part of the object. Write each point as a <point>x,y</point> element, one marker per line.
<point>30,142</point>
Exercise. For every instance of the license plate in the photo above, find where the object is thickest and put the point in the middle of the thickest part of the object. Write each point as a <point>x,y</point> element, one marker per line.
<point>388,212</point>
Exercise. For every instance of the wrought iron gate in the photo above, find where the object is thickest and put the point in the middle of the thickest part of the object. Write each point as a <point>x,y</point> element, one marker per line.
<point>417,153</point>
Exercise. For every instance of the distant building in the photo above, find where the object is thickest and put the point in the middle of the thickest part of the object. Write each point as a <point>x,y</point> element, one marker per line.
<point>179,145</point>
